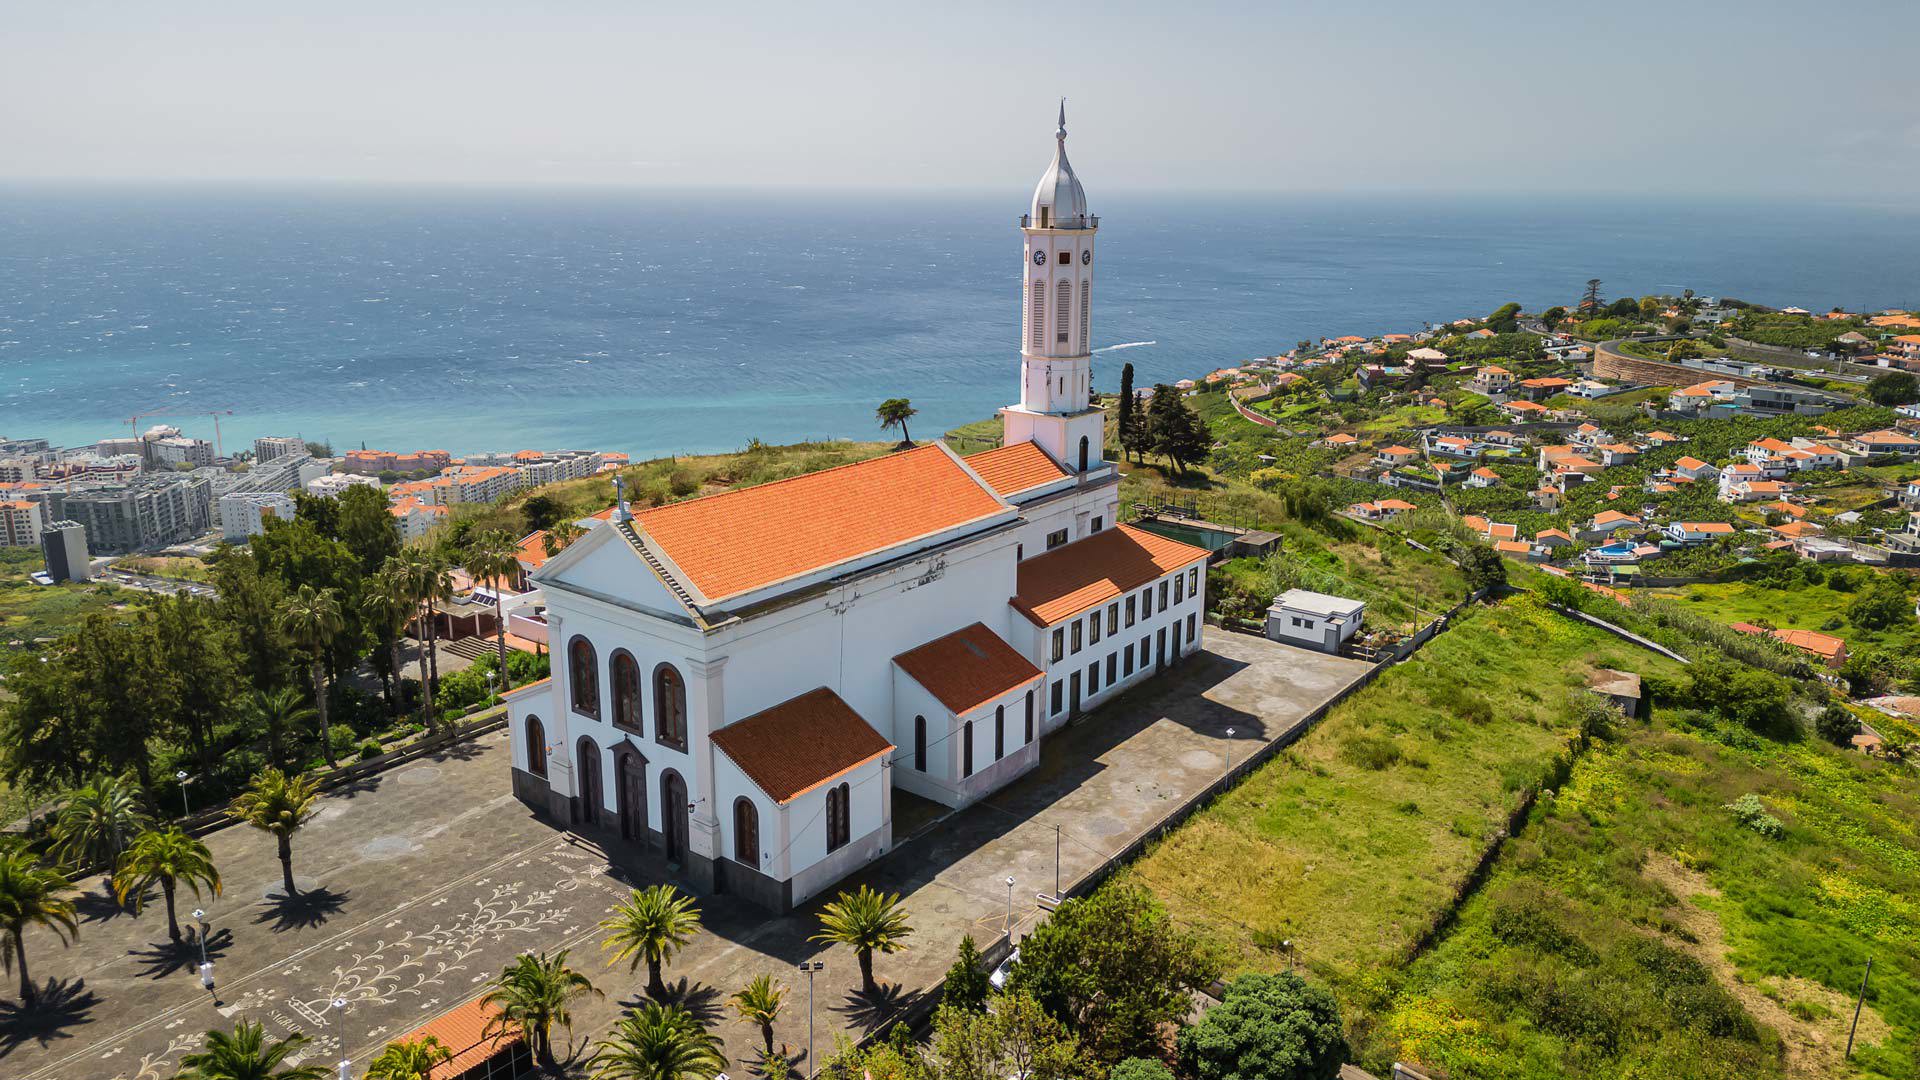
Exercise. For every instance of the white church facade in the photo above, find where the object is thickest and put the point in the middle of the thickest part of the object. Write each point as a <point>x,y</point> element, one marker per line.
<point>741,682</point>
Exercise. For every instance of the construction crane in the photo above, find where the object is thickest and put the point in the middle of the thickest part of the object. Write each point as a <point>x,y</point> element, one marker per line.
<point>133,422</point>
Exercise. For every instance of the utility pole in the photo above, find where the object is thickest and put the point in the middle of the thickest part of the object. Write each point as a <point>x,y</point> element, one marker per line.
<point>1858,1002</point>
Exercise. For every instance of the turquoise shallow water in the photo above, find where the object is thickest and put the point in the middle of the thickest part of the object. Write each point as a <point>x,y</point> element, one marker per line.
<point>654,323</point>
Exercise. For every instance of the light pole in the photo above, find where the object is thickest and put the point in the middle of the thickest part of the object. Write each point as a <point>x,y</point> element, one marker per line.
<point>1229,749</point>
<point>181,775</point>
<point>810,967</point>
<point>206,965</point>
<point>490,678</point>
<point>346,1063</point>
<point>1009,909</point>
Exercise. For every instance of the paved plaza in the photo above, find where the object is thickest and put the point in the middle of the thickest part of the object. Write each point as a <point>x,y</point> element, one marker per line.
<point>423,882</point>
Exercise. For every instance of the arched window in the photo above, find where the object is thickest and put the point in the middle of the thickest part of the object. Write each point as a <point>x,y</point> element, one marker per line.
<point>999,732</point>
<point>583,675</point>
<point>839,823</point>
<point>536,747</point>
<point>626,692</point>
<point>1037,316</point>
<point>746,832</point>
<point>966,750</point>
<point>920,744</point>
<point>1083,453</point>
<point>669,707</point>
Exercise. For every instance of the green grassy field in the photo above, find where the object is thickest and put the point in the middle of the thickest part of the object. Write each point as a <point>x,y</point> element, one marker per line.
<point>1804,607</point>
<point>29,611</point>
<point>1638,929</point>
<point>1355,839</point>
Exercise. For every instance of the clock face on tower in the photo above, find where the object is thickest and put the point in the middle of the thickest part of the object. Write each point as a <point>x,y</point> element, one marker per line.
<point>1086,257</point>
<point>1039,258</point>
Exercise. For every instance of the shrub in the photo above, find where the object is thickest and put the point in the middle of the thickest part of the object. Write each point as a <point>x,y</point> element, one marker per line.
<point>370,749</point>
<point>1749,811</point>
<point>1140,1069</point>
<point>1836,725</point>
<point>1275,1027</point>
<point>1526,918</point>
<point>966,986</point>
<point>1370,751</point>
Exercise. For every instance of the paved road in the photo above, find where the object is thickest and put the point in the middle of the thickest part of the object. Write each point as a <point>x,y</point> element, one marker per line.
<point>428,879</point>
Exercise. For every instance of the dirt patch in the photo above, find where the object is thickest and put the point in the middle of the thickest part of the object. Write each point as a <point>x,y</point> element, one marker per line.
<point>1813,1045</point>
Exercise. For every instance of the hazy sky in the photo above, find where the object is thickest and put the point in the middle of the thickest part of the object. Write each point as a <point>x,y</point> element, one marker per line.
<point>1756,98</point>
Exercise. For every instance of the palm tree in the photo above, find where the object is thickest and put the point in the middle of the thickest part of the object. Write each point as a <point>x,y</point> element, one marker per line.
<point>98,820</point>
<point>280,711</point>
<point>170,857</point>
<point>428,581</point>
<point>894,413</point>
<point>312,619</point>
<point>559,535</point>
<point>412,1060</point>
<point>651,924</point>
<point>388,606</point>
<point>246,1055</point>
<point>32,895</point>
<point>277,803</point>
<point>495,557</point>
<point>531,996</point>
<point>870,922</point>
<point>660,1042</point>
<point>759,1003</point>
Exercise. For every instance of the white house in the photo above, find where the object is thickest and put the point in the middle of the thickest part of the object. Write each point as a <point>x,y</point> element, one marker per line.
<point>741,681</point>
<point>1698,532</point>
<point>1314,620</point>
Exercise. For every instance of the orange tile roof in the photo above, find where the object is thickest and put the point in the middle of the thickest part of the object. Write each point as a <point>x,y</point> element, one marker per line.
<point>1068,580</point>
<point>1608,517</point>
<point>1398,450</point>
<point>1705,527</point>
<point>967,668</point>
<point>1395,504</point>
<point>737,541</point>
<point>1503,530</point>
<point>1819,644</point>
<point>800,744</point>
<point>1793,530</point>
<point>1511,547</point>
<point>1013,469</point>
<point>1788,509</point>
<point>462,1031</point>
<point>1689,463</point>
<point>1522,406</point>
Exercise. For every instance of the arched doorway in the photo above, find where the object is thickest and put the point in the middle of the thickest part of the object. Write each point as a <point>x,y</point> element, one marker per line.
<point>673,814</point>
<point>630,795</point>
<point>592,794</point>
<point>1085,447</point>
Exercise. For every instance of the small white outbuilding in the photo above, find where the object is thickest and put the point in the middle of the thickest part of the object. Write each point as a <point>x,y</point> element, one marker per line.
<point>1314,620</point>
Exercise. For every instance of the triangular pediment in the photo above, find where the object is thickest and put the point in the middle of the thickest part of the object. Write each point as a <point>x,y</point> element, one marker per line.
<point>604,564</point>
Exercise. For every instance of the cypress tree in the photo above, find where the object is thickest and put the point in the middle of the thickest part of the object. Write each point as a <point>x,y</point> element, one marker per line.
<point>1125,420</point>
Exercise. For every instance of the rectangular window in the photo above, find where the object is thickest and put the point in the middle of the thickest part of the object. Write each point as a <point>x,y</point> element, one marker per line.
<point>1086,292</point>
<point>1179,588</point>
<point>1029,718</point>
<point>1056,699</point>
<point>1056,538</point>
<point>1146,655</point>
<point>1066,258</point>
<point>1113,666</point>
<point>999,732</point>
<point>1193,581</point>
<point>1063,312</point>
<point>1126,661</point>
<point>1093,629</point>
<point>1093,679</point>
<point>1163,596</point>
<point>1146,602</point>
<point>1059,643</point>
<point>1037,316</point>
<point>1130,607</point>
<point>1113,617</point>
<point>1192,634</point>
<point>1098,524</point>
<point>1076,635</point>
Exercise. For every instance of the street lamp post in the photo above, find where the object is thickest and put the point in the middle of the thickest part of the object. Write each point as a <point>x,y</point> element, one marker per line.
<point>181,775</point>
<point>1229,749</point>
<point>206,965</point>
<point>346,1063</point>
<point>1009,908</point>
<point>810,967</point>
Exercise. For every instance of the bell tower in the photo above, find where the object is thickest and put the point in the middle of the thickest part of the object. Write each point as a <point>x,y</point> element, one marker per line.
<point>1056,289</point>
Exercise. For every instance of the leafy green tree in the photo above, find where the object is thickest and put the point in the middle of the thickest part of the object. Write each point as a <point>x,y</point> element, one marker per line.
<point>1482,567</point>
<point>1140,1069</point>
<point>869,922</point>
<point>660,1042</point>
<point>1747,696</point>
<point>541,512</point>
<point>495,558</point>
<point>32,895</point>
<point>758,1003</point>
<point>169,858</point>
<point>278,804</point>
<point>249,603</point>
<point>1685,349</point>
<point>651,924</point>
<point>98,821</point>
<point>1136,435</point>
<point>1880,607</point>
<point>1836,725</point>
<point>966,985</point>
<point>531,996</point>
<point>1178,434</point>
<point>1505,319</point>
<point>311,618</point>
<point>367,527</point>
<point>894,413</point>
<point>1016,1038</point>
<point>1894,388</point>
<point>1127,408</point>
<point>1268,1027</point>
<point>247,1055</point>
<point>409,1060</point>
<point>201,685</point>
<point>1553,316</point>
<point>387,607</point>
<point>1112,967</point>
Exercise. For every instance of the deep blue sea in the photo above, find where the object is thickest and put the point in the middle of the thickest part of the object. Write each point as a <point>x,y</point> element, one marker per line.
<point>655,323</point>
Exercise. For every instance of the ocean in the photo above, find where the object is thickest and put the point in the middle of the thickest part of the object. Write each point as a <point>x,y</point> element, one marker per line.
<point>654,323</point>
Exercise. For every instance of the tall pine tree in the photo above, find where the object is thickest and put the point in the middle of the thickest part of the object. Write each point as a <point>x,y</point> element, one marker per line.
<point>1125,420</point>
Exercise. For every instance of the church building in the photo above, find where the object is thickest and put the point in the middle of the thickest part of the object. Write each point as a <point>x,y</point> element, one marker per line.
<point>742,681</point>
